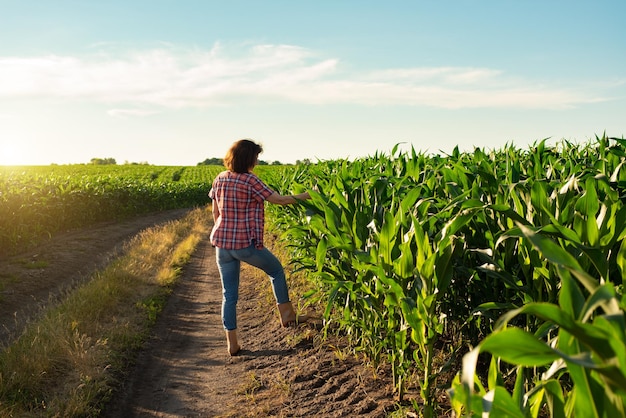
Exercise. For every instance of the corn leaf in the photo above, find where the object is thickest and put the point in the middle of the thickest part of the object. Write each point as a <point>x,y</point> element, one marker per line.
<point>518,347</point>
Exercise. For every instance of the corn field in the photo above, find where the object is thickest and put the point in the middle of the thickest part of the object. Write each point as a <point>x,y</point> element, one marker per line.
<point>491,277</point>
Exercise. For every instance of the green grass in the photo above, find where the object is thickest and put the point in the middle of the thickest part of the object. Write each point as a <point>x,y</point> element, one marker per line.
<point>36,202</point>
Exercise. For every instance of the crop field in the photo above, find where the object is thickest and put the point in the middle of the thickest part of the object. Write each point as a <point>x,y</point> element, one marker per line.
<point>38,201</point>
<point>491,279</point>
<point>504,264</point>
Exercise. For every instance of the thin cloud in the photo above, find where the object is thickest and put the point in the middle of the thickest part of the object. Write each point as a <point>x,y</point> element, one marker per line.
<point>126,113</point>
<point>170,77</point>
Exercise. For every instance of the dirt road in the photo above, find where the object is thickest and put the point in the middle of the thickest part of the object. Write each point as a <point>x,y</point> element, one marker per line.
<point>185,370</point>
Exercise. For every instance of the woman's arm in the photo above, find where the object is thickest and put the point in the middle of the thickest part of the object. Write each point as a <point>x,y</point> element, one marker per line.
<point>279,199</point>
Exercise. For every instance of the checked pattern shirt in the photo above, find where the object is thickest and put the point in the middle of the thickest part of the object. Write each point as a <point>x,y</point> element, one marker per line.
<point>240,198</point>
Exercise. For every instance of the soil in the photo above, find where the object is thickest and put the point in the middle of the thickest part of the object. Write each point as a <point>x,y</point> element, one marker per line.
<point>184,369</point>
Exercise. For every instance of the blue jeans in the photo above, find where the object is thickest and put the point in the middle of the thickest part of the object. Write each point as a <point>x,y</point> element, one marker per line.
<point>229,265</point>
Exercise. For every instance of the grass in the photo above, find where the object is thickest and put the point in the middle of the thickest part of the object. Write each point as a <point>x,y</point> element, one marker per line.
<point>251,383</point>
<point>70,361</point>
<point>34,264</point>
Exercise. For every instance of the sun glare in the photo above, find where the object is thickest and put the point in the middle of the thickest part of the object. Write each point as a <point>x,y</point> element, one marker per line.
<point>11,154</point>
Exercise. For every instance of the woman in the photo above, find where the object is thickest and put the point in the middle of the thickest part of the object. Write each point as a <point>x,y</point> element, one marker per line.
<point>238,211</point>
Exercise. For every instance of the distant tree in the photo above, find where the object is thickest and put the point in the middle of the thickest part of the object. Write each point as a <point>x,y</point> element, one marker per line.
<point>306,161</point>
<point>220,161</point>
<point>103,161</point>
<point>136,163</point>
<point>212,161</point>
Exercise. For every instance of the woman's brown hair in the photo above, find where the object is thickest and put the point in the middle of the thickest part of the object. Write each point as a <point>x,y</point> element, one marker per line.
<point>242,156</point>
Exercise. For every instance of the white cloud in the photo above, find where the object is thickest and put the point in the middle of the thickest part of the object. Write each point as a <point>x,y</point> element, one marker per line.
<point>447,75</point>
<point>171,77</point>
<point>125,113</point>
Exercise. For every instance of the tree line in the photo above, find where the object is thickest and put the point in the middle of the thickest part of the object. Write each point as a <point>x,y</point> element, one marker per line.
<point>208,161</point>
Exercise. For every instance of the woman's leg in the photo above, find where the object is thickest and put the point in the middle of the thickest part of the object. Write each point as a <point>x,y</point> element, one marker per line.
<point>266,261</point>
<point>229,268</point>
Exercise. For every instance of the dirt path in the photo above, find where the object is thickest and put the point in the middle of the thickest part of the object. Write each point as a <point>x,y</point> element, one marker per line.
<point>184,370</point>
<point>185,357</point>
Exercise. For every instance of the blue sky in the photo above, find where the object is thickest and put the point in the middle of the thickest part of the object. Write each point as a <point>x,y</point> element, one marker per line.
<point>172,82</point>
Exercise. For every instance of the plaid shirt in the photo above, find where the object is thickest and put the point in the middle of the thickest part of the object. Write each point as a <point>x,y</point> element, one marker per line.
<point>240,198</point>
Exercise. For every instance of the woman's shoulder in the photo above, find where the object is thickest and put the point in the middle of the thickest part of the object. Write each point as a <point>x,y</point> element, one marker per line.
<point>241,177</point>
<point>230,174</point>
<point>246,176</point>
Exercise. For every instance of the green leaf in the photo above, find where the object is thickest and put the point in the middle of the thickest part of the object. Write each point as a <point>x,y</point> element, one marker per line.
<point>549,248</point>
<point>409,200</point>
<point>562,231</point>
<point>320,253</point>
<point>571,300</point>
<point>518,389</point>
<point>444,267</point>
<point>588,203</point>
<point>468,375</point>
<point>553,393</point>
<point>493,376</point>
<point>404,265</point>
<point>472,203</point>
<point>584,405</point>
<point>557,255</point>
<point>604,296</point>
<point>456,223</point>
<point>593,338</point>
<point>510,213</point>
<point>621,258</point>
<point>593,233</point>
<point>331,215</point>
<point>598,257</point>
<point>518,347</point>
<point>387,238</point>
<point>498,403</point>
